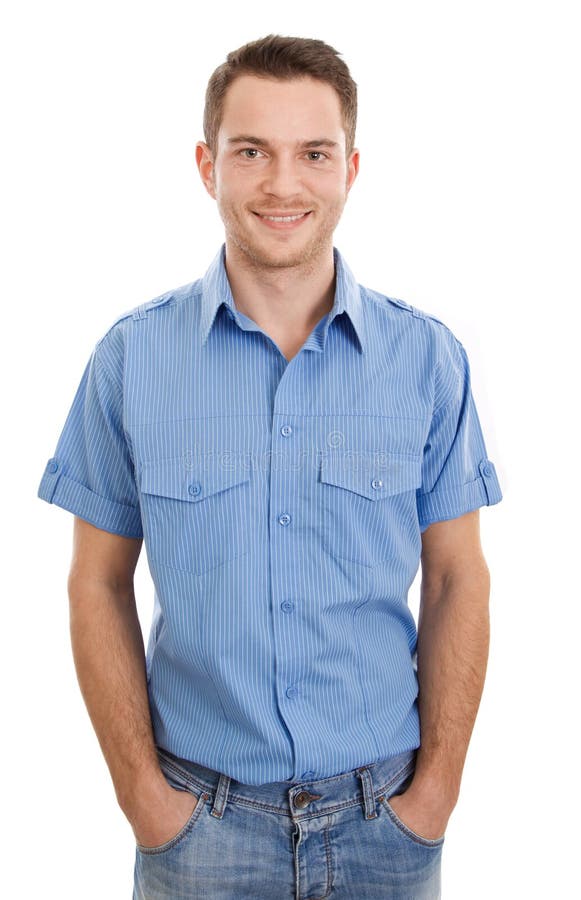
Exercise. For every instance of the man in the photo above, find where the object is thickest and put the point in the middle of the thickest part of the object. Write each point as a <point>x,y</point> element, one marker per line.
<point>290,445</point>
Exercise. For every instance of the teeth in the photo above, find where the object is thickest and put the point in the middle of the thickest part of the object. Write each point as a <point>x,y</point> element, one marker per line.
<point>283,218</point>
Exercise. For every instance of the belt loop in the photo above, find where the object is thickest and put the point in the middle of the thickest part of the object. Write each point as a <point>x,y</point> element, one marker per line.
<point>367,784</point>
<point>221,796</point>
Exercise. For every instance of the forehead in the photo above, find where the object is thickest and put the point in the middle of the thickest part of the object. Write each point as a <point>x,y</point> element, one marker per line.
<point>273,109</point>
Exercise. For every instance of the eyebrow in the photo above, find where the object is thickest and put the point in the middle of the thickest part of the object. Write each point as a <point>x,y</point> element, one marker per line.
<point>260,142</point>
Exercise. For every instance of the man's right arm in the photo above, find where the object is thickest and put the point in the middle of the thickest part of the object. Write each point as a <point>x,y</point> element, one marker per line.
<point>109,658</point>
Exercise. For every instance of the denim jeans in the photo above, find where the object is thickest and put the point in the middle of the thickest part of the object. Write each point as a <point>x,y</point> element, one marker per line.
<point>337,838</point>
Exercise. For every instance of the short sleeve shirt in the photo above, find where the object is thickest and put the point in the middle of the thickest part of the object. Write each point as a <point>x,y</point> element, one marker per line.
<point>281,506</point>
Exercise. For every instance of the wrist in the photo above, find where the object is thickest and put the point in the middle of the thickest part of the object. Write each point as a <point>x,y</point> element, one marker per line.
<point>142,792</point>
<point>434,791</point>
<point>437,776</point>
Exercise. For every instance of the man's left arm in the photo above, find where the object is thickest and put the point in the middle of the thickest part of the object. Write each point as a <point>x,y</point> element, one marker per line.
<point>452,653</point>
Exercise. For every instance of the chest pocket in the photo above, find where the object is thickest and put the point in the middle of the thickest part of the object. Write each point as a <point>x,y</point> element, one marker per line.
<point>193,516</point>
<point>368,501</point>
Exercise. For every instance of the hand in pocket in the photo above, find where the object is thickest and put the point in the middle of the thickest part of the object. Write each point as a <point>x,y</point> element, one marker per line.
<point>165,819</point>
<point>427,820</point>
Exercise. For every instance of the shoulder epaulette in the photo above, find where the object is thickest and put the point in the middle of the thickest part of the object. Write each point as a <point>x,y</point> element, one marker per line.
<point>137,312</point>
<point>141,311</point>
<point>411,309</point>
<point>418,313</point>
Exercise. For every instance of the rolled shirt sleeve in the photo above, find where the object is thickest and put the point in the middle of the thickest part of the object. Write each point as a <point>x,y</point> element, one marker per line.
<point>91,473</point>
<point>457,476</point>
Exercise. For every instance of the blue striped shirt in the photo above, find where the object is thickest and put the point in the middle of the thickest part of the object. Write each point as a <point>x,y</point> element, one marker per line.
<point>281,506</point>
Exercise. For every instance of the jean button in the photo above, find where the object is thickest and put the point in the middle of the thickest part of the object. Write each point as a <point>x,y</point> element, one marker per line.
<point>303,798</point>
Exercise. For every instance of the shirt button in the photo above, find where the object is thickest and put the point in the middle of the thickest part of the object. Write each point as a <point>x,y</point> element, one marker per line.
<point>292,692</point>
<point>287,606</point>
<point>308,776</point>
<point>377,483</point>
<point>52,466</point>
<point>286,430</point>
<point>284,519</point>
<point>487,470</point>
<point>195,488</point>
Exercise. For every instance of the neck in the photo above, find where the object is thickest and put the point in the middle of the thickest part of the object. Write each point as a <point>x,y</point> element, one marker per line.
<point>288,299</point>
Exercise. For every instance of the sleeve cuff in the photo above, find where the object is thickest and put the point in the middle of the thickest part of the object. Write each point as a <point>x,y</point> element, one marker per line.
<point>455,500</point>
<point>56,487</point>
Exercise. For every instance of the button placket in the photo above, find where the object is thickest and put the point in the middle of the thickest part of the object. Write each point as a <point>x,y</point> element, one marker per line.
<point>286,462</point>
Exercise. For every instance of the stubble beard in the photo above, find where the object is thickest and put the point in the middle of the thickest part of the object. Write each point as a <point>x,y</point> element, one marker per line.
<point>258,254</point>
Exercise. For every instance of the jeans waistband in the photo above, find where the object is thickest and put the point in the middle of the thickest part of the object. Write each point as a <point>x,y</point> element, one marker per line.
<point>299,800</point>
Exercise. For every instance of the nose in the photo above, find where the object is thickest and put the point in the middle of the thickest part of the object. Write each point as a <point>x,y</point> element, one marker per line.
<point>282,178</point>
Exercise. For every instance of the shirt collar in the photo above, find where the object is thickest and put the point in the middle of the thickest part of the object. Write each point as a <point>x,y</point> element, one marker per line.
<point>216,292</point>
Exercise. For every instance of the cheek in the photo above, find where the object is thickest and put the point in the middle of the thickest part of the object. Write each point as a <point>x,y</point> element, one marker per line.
<point>237,184</point>
<point>328,183</point>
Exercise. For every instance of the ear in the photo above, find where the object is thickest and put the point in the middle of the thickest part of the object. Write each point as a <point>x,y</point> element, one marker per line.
<point>352,168</point>
<point>205,165</point>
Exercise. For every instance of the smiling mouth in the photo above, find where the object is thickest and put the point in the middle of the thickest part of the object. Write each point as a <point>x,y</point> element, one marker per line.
<point>284,218</point>
<point>289,218</point>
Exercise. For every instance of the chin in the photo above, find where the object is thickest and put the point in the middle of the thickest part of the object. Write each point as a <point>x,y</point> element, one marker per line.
<point>287,260</point>
<point>276,258</point>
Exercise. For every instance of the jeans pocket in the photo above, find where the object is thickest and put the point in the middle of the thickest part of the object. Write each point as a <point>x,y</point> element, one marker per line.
<point>176,780</point>
<point>400,784</point>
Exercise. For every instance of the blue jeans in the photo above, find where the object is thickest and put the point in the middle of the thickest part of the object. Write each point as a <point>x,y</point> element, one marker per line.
<point>336,838</point>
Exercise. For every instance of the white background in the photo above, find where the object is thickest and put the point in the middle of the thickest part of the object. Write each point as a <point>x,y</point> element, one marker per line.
<point>467,206</point>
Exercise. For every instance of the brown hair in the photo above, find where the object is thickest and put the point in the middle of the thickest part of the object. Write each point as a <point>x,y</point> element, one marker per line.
<point>275,56</point>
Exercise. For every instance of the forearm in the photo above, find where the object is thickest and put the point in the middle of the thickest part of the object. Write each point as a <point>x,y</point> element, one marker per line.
<point>453,642</point>
<point>109,658</point>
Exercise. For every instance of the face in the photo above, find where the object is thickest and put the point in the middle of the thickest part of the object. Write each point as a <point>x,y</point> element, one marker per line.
<point>280,153</point>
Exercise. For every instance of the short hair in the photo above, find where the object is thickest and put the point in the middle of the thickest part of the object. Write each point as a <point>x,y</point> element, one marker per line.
<point>285,58</point>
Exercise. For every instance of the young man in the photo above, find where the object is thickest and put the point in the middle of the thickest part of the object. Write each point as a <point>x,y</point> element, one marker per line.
<point>290,445</point>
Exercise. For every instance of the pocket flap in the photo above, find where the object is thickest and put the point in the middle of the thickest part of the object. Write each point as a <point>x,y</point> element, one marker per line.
<point>192,481</point>
<point>371,473</point>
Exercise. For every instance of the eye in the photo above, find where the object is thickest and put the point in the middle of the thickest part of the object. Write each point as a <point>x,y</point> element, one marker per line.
<point>250,150</point>
<point>316,153</point>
